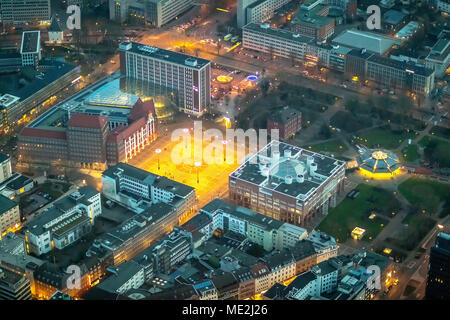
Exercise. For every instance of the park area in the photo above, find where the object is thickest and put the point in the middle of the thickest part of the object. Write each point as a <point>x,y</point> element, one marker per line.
<point>384,137</point>
<point>410,153</point>
<point>436,151</point>
<point>336,146</point>
<point>424,194</point>
<point>357,212</point>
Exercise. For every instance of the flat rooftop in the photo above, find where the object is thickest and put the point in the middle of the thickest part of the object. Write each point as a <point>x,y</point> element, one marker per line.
<point>287,169</point>
<point>408,30</point>
<point>242,213</point>
<point>149,178</point>
<point>164,55</point>
<point>373,42</point>
<point>277,33</point>
<point>52,71</point>
<point>401,65</point>
<point>6,204</point>
<point>30,42</point>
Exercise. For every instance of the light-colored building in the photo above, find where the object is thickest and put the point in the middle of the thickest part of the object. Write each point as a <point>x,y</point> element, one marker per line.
<point>439,57</point>
<point>138,189</point>
<point>261,10</point>
<point>65,222</point>
<point>371,41</point>
<point>24,11</point>
<point>9,215</point>
<point>186,77</point>
<point>55,33</point>
<point>398,74</point>
<point>278,42</point>
<point>126,276</point>
<point>153,12</point>
<point>30,48</point>
<point>12,244</point>
<point>5,167</point>
<point>257,228</point>
<point>443,5</point>
<point>324,244</point>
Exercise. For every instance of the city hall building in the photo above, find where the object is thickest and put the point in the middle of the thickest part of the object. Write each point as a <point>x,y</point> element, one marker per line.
<point>185,76</point>
<point>287,183</point>
<point>89,136</point>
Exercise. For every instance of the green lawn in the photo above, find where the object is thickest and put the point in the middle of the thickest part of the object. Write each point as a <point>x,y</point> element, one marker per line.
<point>351,213</point>
<point>411,153</point>
<point>334,146</point>
<point>418,226</point>
<point>384,137</point>
<point>440,132</point>
<point>436,150</point>
<point>424,193</point>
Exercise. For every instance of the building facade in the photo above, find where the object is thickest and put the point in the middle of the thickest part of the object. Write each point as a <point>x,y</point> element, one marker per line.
<point>152,12</point>
<point>287,183</point>
<point>257,228</point>
<point>24,11</point>
<point>438,281</point>
<point>86,139</point>
<point>5,167</point>
<point>138,189</point>
<point>14,286</point>
<point>287,121</point>
<point>9,214</point>
<point>65,222</point>
<point>186,76</point>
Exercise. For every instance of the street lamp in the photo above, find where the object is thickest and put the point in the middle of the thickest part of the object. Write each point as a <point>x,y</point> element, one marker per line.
<point>158,151</point>
<point>224,142</point>
<point>197,164</point>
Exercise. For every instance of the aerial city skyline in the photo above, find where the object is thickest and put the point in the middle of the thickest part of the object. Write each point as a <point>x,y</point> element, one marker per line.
<point>224,150</point>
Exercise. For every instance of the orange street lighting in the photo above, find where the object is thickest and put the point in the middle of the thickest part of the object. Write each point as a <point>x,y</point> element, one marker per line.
<point>197,164</point>
<point>224,142</point>
<point>233,47</point>
<point>158,151</point>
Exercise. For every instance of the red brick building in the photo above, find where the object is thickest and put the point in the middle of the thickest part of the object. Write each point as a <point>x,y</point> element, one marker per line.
<point>287,120</point>
<point>86,140</point>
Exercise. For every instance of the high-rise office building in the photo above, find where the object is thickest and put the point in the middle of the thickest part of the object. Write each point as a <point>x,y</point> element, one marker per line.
<point>187,77</point>
<point>152,12</point>
<point>24,11</point>
<point>438,282</point>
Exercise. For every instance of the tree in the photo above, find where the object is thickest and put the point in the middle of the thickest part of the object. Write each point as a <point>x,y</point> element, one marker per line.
<point>325,131</point>
<point>352,106</point>
<point>264,85</point>
<point>256,251</point>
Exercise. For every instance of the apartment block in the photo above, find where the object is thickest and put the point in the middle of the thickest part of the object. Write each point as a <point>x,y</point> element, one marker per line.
<point>69,219</point>
<point>9,214</point>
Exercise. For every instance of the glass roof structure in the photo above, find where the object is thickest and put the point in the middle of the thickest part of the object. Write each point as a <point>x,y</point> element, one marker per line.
<point>111,95</point>
<point>379,161</point>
